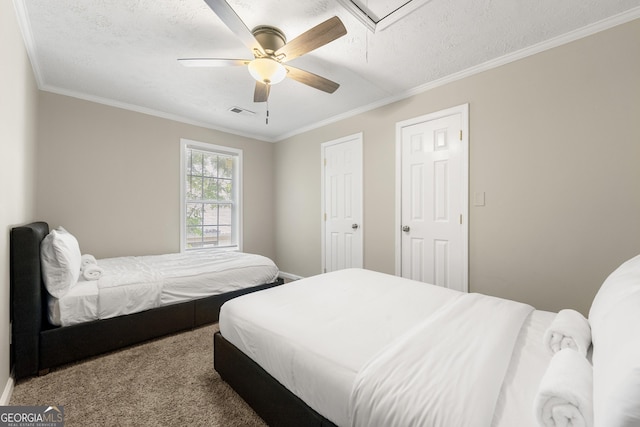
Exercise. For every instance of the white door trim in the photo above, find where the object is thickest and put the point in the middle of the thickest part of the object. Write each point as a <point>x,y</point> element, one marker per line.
<point>463,110</point>
<point>323,147</point>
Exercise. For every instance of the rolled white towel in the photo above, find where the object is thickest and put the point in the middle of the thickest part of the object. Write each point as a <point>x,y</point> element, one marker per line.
<point>87,259</point>
<point>92,272</point>
<point>569,329</point>
<point>565,394</point>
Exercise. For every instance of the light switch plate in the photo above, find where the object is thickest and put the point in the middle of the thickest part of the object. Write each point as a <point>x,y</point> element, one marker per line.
<point>478,198</point>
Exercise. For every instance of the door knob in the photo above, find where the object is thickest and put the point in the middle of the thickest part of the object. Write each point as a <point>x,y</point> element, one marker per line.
<point>354,226</point>
<point>406,228</point>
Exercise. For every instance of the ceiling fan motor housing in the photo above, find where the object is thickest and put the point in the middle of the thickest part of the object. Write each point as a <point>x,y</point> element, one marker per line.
<point>270,38</point>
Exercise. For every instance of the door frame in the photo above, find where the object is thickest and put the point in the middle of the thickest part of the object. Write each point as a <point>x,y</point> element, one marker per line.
<point>359,138</point>
<point>463,110</point>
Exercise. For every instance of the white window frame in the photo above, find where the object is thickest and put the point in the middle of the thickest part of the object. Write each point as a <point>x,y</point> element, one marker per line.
<point>237,193</point>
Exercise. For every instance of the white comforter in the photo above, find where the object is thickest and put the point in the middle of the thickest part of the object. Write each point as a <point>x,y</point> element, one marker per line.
<point>133,284</point>
<point>321,336</point>
<point>447,371</point>
<point>129,285</point>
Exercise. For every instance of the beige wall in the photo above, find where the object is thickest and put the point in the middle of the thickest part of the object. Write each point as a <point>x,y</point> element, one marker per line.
<point>111,177</point>
<point>554,144</point>
<point>18,96</point>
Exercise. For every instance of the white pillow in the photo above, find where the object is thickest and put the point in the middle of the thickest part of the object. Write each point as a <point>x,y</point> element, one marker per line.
<point>615,329</point>
<point>61,259</point>
<point>622,283</point>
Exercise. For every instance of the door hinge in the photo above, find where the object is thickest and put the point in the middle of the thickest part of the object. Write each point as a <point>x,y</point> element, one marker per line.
<point>325,161</point>
<point>461,135</point>
<point>325,216</point>
<point>460,219</point>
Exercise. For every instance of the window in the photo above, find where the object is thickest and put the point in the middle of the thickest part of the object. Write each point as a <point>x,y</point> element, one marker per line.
<point>210,196</point>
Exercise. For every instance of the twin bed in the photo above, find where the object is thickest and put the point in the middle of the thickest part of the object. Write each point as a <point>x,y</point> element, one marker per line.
<point>359,348</point>
<point>133,299</point>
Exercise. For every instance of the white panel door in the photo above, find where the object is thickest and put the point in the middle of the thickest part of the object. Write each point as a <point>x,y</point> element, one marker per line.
<point>433,199</point>
<point>342,203</point>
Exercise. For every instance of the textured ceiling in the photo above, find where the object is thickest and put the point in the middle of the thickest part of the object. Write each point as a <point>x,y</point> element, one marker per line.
<point>124,53</point>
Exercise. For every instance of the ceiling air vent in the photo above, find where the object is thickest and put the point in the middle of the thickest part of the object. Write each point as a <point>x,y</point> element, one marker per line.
<point>242,111</point>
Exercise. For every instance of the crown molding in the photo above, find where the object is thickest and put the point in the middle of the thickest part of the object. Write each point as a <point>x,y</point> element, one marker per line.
<point>25,27</point>
<point>566,38</point>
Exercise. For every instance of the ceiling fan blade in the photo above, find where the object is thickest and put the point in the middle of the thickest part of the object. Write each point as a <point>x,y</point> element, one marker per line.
<point>261,93</point>
<point>212,62</point>
<point>316,37</point>
<point>313,80</point>
<point>235,24</point>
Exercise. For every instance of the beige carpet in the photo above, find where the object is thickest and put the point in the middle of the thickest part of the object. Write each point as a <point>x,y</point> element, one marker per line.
<point>166,382</point>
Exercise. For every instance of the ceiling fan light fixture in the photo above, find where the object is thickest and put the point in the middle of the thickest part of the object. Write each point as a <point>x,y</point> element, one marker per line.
<point>267,70</point>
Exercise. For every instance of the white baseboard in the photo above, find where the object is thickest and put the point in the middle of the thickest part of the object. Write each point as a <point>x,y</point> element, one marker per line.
<point>8,391</point>
<point>290,276</point>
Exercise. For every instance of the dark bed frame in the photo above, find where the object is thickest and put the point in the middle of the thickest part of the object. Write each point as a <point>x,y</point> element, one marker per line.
<point>275,404</point>
<point>37,346</point>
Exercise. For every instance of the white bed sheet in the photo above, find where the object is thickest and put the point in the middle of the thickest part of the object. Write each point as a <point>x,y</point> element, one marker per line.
<point>446,371</point>
<point>344,318</point>
<point>529,362</point>
<point>196,274</point>
<point>78,305</point>
<point>133,284</point>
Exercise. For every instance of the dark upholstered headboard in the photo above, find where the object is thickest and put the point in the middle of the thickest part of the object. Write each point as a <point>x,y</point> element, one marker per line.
<point>26,296</point>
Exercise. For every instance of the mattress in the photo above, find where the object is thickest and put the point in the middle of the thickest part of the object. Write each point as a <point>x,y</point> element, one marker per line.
<point>133,284</point>
<point>344,319</point>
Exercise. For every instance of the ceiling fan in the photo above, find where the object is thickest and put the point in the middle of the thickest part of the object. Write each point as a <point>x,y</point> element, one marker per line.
<point>271,51</point>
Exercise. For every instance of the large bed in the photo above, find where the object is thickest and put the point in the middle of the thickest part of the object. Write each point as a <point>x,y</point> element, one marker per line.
<point>360,348</point>
<point>97,316</point>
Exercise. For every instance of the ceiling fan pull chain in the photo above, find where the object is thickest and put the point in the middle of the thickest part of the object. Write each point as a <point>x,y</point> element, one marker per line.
<point>267,119</point>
